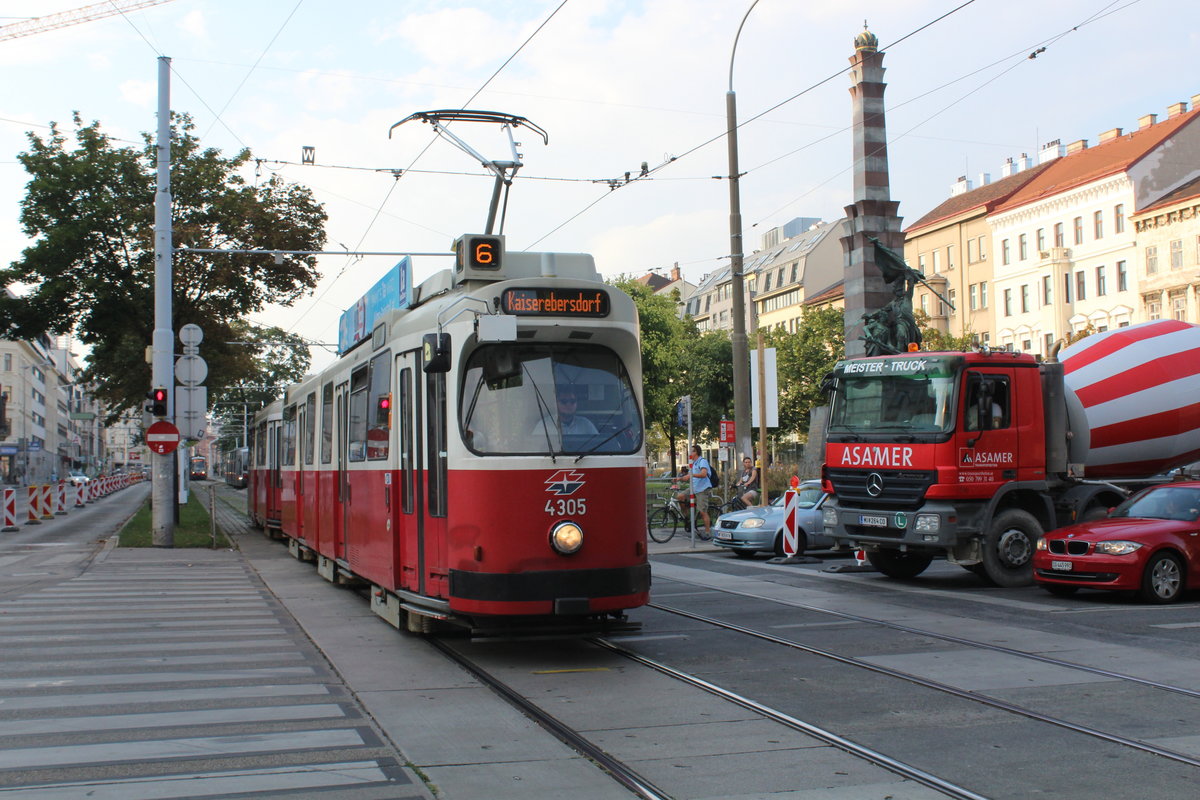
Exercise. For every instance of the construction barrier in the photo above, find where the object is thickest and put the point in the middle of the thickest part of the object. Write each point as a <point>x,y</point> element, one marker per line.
<point>35,506</point>
<point>47,501</point>
<point>10,510</point>
<point>60,499</point>
<point>81,495</point>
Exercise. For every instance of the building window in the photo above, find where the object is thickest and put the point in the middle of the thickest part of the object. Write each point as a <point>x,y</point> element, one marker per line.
<point>1046,290</point>
<point>971,257</point>
<point>1101,288</point>
<point>1119,218</point>
<point>1178,298</point>
<point>953,298</point>
<point>949,256</point>
<point>921,264</point>
<point>767,282</point>
<point>1098,224</point>
<point>1080,285</point>
<point>982,248</point>
<point>973,296</point>
<point>1023,246</point>
<point>1004,259</point>
<point>1067,288</point>
<point>1079,230</point>
<point>1059,237</point>
<point>8,362</point>
<point>1122,277</point>
<point>1008,302</point>
<point>924,303</point>
<point>983,295</point>
<point>937,261</point>
<point>1041,240</point>
<point>795,271</point>
<point>1048,340</point>
<point>1025,298</point>
<point>1153,304</point>
<point>1151,260</point>
<point>1177,254</point>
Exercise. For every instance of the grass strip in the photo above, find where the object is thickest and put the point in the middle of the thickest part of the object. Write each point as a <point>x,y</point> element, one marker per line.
<point>194,528</point>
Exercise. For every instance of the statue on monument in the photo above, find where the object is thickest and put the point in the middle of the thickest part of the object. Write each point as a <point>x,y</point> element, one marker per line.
<point>893,328</point>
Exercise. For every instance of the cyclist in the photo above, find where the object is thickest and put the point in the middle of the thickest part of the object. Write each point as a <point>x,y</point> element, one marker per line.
<point>748,482</point>
<point>701,484</point>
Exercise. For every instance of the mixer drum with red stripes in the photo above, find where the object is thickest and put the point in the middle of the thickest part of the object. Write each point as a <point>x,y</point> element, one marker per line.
<point>1133,399</point>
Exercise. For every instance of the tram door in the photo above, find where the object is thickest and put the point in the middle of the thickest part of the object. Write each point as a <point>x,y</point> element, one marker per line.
<point>340,519</point>
<point>422,463</point>
<point>298,459</point>
<point>274,476</point>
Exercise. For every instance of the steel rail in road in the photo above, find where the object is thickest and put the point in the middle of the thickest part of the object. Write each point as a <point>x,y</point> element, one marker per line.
<point>946,637</point>
<point>941,687</point>
<point>829,737</point>
<point>621,772</point>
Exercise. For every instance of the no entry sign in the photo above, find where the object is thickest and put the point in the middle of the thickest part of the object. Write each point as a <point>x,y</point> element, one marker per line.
<point>162,437</point>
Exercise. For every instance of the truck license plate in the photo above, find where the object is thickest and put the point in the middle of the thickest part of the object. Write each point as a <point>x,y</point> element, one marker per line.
<point>1061,566</point>
<point>872,520</point>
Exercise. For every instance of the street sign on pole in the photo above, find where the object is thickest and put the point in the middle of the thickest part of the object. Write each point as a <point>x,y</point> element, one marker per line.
<point>191,410</point>
<point>162,437</point>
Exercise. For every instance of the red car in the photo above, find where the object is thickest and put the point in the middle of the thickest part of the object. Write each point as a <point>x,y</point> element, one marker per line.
<point>1149,544</point>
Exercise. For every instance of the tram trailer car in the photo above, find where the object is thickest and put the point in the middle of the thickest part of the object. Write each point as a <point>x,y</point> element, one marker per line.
<point>477,456</point>
<point>263,491</point>
<point>975,455</point>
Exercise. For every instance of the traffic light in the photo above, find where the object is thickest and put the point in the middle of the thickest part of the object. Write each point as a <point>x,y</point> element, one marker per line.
<point>157,401</point>
<point>383,417</point>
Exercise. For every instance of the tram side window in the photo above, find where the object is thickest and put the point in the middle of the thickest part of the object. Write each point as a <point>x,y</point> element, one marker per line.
<point>310,426</point>
<point>435,411</point>
<point>357,436</point>
<point>260,446</point>
<point>327,423</point>
<point>406,440</point>
<point>289,437</point>
<point>380,430</point>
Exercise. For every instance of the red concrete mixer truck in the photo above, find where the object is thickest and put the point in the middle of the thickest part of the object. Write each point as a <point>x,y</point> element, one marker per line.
<point>975,455</point>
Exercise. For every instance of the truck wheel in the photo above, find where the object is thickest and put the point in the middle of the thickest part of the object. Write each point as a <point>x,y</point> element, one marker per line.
<point>1008,548</point>
<point>896,564</point>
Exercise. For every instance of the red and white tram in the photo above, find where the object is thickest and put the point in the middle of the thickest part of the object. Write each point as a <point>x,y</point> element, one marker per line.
<point>475,456</point>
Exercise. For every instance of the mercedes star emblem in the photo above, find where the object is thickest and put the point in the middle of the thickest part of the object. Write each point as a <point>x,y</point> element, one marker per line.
<point>874,484</point>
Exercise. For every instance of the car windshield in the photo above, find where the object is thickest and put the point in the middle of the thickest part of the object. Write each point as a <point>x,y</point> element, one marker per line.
<point>808,496</point>
<point>1162,502</point>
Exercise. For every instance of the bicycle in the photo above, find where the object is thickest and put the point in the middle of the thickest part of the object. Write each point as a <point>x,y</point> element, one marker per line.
<point>664,521</point>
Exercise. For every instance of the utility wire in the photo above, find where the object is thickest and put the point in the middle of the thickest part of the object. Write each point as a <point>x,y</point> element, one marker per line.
<point>416,158</point>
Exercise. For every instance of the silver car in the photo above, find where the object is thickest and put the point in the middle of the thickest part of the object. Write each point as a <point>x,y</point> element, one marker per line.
<point>758,529</point>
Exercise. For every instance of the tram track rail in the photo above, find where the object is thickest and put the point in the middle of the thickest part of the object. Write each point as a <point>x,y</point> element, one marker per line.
<point>643,787</point>
<point>973,696</point>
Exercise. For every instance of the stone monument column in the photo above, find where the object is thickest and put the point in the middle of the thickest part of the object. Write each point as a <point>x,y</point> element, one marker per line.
<point>873,213</point>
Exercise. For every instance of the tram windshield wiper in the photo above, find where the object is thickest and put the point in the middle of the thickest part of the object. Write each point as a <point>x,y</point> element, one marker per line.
<point>603,442</point>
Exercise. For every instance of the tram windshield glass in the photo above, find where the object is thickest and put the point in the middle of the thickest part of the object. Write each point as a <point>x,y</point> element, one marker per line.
<point>553,398</point>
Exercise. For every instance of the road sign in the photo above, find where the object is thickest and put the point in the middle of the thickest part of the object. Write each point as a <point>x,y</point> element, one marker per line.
<point>191,410</point>
<point>162,437</point>
<point>727,434</point>
<point>191,370</point>
<point>191,335</point>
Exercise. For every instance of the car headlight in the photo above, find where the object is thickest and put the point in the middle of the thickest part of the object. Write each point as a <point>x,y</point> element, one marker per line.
<point>753,522</point>
<point>566,538</point>
<point>928,522</point>
<point>1117,548</point>
<point>1041,543</point>
<point>829,517</point>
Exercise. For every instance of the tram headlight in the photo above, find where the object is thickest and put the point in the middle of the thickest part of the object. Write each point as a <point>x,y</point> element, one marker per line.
<point>566,538</point>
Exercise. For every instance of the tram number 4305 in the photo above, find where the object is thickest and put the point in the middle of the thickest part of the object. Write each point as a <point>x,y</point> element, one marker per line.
<point>573,507</point>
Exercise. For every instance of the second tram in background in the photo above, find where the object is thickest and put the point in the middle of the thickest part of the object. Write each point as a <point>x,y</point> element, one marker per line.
<point>198,468</point>
<point>476,452</point>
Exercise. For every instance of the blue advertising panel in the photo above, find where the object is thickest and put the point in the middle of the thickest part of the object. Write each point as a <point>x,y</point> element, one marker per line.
<point>393,290</point>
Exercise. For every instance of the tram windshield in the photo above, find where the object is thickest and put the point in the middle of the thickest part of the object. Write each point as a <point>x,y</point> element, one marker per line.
<point>554,398</point>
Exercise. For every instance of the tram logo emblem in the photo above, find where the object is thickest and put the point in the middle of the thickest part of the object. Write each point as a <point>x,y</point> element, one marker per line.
<point>564,482</point>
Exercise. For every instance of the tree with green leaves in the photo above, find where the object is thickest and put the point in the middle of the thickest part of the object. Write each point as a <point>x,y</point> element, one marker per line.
<point>89,209</point>
<point>936,340</point>
<point>803,359</point>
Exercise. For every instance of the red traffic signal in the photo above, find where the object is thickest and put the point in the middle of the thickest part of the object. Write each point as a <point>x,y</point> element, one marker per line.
<point>157,405</point>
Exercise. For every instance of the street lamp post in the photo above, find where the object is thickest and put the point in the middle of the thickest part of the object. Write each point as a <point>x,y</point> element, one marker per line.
<point>741,353</point>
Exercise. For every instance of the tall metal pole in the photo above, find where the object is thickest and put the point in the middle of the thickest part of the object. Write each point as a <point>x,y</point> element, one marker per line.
<point>741,352</point>
<point>162,495</point>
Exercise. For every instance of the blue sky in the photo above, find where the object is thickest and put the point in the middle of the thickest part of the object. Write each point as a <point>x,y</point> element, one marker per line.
<point>615,83</point>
